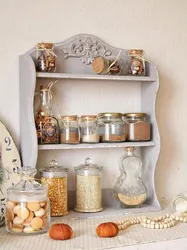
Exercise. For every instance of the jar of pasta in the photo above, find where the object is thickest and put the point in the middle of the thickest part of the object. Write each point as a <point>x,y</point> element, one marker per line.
<point>88,187</point>
<point>27,205</point>
<point>137,62</point>
<point>111,127</point>
<point>89,129</point>
<point>69,130</point>
<point>55,178</point>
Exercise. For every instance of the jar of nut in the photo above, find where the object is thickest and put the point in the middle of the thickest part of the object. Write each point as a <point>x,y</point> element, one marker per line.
<point>27,205</point>
<point>137,62</point>
<point>55,177</point>
<point>88,187</point>
<point>46,58</point>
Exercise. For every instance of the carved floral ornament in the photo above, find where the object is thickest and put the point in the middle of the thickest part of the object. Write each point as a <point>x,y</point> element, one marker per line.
<point>86,49</point>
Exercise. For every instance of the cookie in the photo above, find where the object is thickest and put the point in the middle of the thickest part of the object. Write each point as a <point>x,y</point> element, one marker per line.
<point>36,223</point>
<point>23,213</point>
<point>17,221</point>
<point>17,229</point>
<point>33,206</point>
<point>40,212</point>
<point>28,230</point>
<point>10,204</point>
<point>9,214</point>
<point>16,209</point>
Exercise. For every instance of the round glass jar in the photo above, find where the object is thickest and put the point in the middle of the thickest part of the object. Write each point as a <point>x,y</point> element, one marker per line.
<point>69,130</point>
<point>111,127</point>
<point>89,129</point>
<point>137,126</point>
<point>88,187</point>
<point>46,58</point>
<point>55,178</point>
<point>137,62</point>
<point>27,206</point>
<point>179,203</point>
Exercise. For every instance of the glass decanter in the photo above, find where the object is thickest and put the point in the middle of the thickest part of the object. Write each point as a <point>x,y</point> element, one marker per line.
<point>129,188</point>
<point>27,205</point>
<point>46,124</point>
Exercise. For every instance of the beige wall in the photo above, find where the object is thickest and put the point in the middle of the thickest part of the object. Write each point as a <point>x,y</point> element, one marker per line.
<point>157,26</point>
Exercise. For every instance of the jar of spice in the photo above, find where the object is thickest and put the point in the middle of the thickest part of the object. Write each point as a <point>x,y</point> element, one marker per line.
<point>27,205</point>
<point>138,127</point>
<point>89,129</point>
<point>111,127</point>
<point>46,58</point>
<point>88,187</point>
<point>69,131</point>
<point>137,62</point>
<point>55,178</point>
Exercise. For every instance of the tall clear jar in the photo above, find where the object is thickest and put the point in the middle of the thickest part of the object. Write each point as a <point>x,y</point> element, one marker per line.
<point>27,206</point>
<point>111,127</point>
<point>47,127</point>
<point>55,178</point>
<point>131,191</point>
<point>69,130</point>
<point>88,187</point>
<point>89,129</point>
<point>138,126</point>
<point>46,58</point>
<point>137,62</point>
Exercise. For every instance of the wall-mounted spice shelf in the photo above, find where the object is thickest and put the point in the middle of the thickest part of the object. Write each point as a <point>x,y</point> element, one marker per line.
<point>84,96</point>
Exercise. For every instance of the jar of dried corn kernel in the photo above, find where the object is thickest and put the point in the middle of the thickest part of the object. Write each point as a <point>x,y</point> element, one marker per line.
<point>55,177</point>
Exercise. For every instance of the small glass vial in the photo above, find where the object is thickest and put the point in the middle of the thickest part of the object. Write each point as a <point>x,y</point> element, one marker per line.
<point>111,127</point>
<point>55,178</point>
<point>179,203</point>
<point>88,187</point>
<point>89,129</point>
<point>69,131</point>
<point>131,192</point>
<point>137,126</point>
<point>46,58</point>
<point>137,62</point>
<point>27,205</point>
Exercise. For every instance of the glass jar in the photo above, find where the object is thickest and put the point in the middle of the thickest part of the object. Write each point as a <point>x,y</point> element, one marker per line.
<point>138,127</point>
<point>46,124</point>
<point>137,62</point>
<point>131,192</point>
<point>103,66</point>
<point>69,131</point>
<point>89,129</point>
<point>179,203</point>
<point>46,58</point>
<point>55,177</point>
<point>27,205</point>
<point>111,127</point>
<point>88,187</point>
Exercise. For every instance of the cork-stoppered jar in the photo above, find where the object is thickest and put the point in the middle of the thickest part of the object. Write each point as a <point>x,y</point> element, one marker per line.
<point>27,206</point>
<point>137,62</point>
<point>88,187</point>
<point>55,178</point>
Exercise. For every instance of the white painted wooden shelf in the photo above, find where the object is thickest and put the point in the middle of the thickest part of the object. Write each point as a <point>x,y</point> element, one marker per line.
<point>97,145</point>
<point>95,77</point>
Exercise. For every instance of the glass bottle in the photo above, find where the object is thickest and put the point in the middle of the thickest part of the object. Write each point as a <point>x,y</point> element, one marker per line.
<point>88,187</point>
<point>89,129</point>
<point>27,205</point>
<point>46,59</point>
<point>137,62</point>
<point>55,177</point>
<point>132,192</point>
<point>111,127</point>
<point>46,124</point>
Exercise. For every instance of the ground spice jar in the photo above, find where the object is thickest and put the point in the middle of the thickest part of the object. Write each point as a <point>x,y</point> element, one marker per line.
<point>89,129</point>
<point>55,178</point>
<point>137,62</point>
<point>88,187</point>
<point>111,127</point>
<point>46,58</point>
<point>138,127</point>
<point>27,205</point>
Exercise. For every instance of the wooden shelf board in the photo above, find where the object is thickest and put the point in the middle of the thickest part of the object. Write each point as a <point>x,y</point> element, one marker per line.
<point>97,145</point>
<point>95,77</point>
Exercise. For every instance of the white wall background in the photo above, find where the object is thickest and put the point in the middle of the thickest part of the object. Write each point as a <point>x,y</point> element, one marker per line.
<point>157,26</point>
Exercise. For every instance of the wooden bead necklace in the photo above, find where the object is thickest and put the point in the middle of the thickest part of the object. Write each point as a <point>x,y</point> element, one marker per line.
<point>161,222</point>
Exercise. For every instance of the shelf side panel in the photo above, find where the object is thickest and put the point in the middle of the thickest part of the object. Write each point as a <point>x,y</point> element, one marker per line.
<point>29,147</point>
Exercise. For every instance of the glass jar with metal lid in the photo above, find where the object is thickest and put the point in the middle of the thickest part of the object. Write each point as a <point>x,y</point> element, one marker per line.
<point>138,127</point>
<point>88,187</point>
<point>69,130</point>
<point>55,177</point>
<point>89,129</point>
<point>111,127</point>
<point>27,205</point>
<point>137,62</point>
